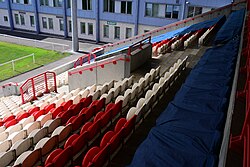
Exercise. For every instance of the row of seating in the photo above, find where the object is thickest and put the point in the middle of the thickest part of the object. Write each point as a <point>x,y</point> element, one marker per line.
<point>55,109</point>
<point>189,131</point>
<point>241,143</point>
<point>113,140</point>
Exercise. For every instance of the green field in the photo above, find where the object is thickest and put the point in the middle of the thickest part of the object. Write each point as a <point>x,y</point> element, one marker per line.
<point>10,52</point>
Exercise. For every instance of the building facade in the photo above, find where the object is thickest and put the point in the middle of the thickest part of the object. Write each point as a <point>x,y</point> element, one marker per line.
<point>99,20</point>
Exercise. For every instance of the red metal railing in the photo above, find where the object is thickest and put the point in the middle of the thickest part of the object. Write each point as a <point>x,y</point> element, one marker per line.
<point>169,26</point>
<point>44,83</point>
<point>141,43</point>
<point>99,65</point>
<point>81,60</point>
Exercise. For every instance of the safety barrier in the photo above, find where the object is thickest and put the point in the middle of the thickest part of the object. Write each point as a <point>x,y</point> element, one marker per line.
<point>81,60</point>
<point>141,43</point>
<point>37,85</point>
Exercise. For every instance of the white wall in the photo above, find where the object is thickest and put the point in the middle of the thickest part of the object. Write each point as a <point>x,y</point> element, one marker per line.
<point>3,13</point>
<point>141,28</point>
<point>86,36</point>
<point>27,25</point>
<point>122,26</point>
<point>56,25</point>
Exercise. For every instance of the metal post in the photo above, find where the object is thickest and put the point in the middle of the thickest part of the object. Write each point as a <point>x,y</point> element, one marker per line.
<point>75,43</point>
<point>13,65</point>
<point>46,83</point>
<point>34,61</point>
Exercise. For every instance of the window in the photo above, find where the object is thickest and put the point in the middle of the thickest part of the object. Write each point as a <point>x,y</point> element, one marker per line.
<point>83,28</point>
<point>44,2</point>
<point>106,31</point>
<point>26,2</point>
<point>32,21</point>
<point>44,21</point>
<point>90,29</point>
<point>1,0</point>
<point>193,11</point>
<point>117,32</point>
<point>57,3</point>
<point>50,23</point>
<point>61,24</point>
<point>109,6</point>
<point>70,26</point>
<point>86,4</point>
<point>128,33</point>
<point>22,19</point>
<point>15,1</point>
<point>5,18</point>
<point>126,7</point>
<point>162,10</point>
<point>69,3</point>
<point>17,19</point>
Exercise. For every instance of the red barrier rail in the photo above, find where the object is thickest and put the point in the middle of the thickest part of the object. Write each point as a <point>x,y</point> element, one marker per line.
<point>42,83</point>
<point>99,65</point>
<point>10,84</point>
<point>169,26</point>
<point>80,60</point>
<point>141,43</point>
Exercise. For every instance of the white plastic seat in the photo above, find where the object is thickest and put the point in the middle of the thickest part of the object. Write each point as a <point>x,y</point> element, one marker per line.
<point>14,137</point>
<point>59,102</point>
<point>47,144</point>
<point>75,91</point>
<point>124,85</point>
<point>14,128</point>
<point>103,89</point>
<point>2,129</point>
<point>62,132</point>
<point>92,88</point>
<point>108,97</point>
<point>3,136</point>
<point>76,99</point>
<point>6,158</point>
<point>52,124</point>
<point>28,158</point>
<point>131,80</point>
<point>5,145</point>
<point>21,146</point>
<point>32,126</point>
<point>67,97</point>
<point>37,134</point>
<point>84,93</point>
<point>59,96</point>
<point>158,70</point>
<point>116,91</point>
<point>111,84</point>
<point>44,118</point>
<point>131,113</point>
<point>95,95</point>
<point>147,80</point>
<point>153,73</point>
<point>134,92</point>
<point>27,120</point>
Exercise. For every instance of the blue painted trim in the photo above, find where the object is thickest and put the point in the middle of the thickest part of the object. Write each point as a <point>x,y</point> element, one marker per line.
<point>10,15</point>
<point>65,18</point>
<point>137,10</point>
<point>34,2</point>
<point>97,21</point>
<point>22,7</point>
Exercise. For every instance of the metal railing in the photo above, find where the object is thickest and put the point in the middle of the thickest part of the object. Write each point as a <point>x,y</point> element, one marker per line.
<point>42,83</point>
<point>13,61</point>
<point>83,59</point>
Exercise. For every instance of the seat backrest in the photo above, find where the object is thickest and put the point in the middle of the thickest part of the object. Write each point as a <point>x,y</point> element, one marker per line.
<point>106,138</point>
<point>89,156</point>
<point>131,113</point>
<point>6,158</point>
<point>120,123</point>
<point>31,159</point>
<point>63,157</point>
<point>102,157</point>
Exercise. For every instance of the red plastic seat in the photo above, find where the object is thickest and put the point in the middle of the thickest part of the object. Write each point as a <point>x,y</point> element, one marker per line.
<point>76,108</point>
<point>22,116</point>
<point>79,143</point>
<point>52,155</point>
<point>77,122</point>
<point>101,158</point>
<point>129,126</point>
<point>117,108</point>
<point>86,101</point>
<point>66,104</point>
<point>98,116</point>
<point>88,112</point>
<point>32,110</point>
<point>94,130</point>
<point>120,124</point>
<point>10,123</point>
<point>115,142</point>
<point>9,118</point>
<point>65,116</point>
<point>89,156</point>
<point>86,126</point>
<point>37,114</point>
<point>99,104</point>
<point>70,140</point>
<point>106,138</point>
<point>49,107</point>
<point>106,118</point>
<point>109,106</point>
<point>71,120</point>
<point>56,111</point>
<point>63,157</point>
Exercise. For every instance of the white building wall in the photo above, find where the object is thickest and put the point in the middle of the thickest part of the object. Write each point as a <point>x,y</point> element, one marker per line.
<point>86,35</point>
<point>142,28</point>
<point>4,12</point>
<point>27,25</point>
<point>56,25</point>
<point>111,38</point>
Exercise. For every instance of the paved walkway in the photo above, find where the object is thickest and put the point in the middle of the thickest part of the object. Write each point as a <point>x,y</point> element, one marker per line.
<point>85,47</point>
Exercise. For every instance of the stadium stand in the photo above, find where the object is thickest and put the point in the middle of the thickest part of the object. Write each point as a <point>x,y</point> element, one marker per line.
<point>88,126</point>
